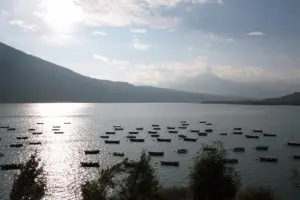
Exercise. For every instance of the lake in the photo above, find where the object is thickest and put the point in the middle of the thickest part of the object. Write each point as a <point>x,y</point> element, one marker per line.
<point>61,154</point>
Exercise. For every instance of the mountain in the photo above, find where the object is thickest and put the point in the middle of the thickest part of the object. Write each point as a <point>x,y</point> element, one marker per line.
<point>25,78</point>
<point>291,99</point>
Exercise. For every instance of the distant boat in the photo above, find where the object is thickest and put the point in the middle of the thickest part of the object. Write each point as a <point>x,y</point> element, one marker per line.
<point>40,123</point>
<point>55,126</point>
<point>130,136</point>
<point>262,148</point>
<point>31,129</point>
<point>182,127</point>
<point>89,164</point>
<point>169,163</point>
<point>208,130</point>
<point>67,123</point>
<point>11,166</point>
<point>156,128</point>
<point>252,136</point>
<point>11,129</point>
<point>154,135</point>
<point>156,153</point>
<point>92,152</point>
<point>36,133</point>
<point>184,124</point>
<point>22,138</point>
<point>223,134</point>
<point>239,149</point>
<point>257,131</point>
<point>34,143</point>
<point>208,124</point>
<point>110,132</point>
<point>155,125</point>
<point>16,145</point>
<point>182,136</point>
<point>269,135</point>
<point>265,159</point>
<point>163,140</point>
<point>170,127</point>
<point>194,130</point>
<point>137,140</point>
<point>190,139</point>
<point>202,134</point>
<point>173,131</point>
<point>58,132</point>
<point>139,128</point>
<point>6,127</point>
<point>202,122</point>
<point>133,132</point>
<point>119,128</point>
<point>104,136</point>
<point>293,143</point>
<point>112,141</point>
<point>237,129</point>
<point>55,129</point>
<point>237,133</point>
<point>152,132</point>
<point>231,161</point>
<point>296,157</point>
<point>182,151</point>
<point>118,154</point>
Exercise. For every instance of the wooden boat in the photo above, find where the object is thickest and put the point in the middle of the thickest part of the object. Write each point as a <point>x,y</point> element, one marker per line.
<point>36,133</point>
<point>104,136</point>
<point>269,135</point>
<point>119,128</point>
<point>156,153</point>
<point>139,128</point>
<point>190,139</point>
<point>202,134</point>
<point>296,157</point>
<point>223,134</point>
<point>257,131</point>
<point>11,166</point>
<point>293,143</point>
<point>6,127</point>
<point>252,136</point>
<point>170,127</point>
<point>163,140</point>
<point>67,122</point>
<point>58,132</point>
<point>137,140</point>
<point>208,130</point>
<point>182,151</point>
<point>155,135</point>
<point>31,129</point>
<point>16,145</point>
<point>155,125</point>
<point>11,129</point>
<point>237,129</point>
<point>152,132</point>
<point>34,143</point>
<point>133,132</point>
<point>40,123</point>
<point>112,141</point>
<point>239,149</point>
<point>173,131</point>
<point>237,133</point>
<point>22,138</point>
<point>194,131</point>
<point>182,127</point>
<point>1,154</point>
<point>184,124</point>
<point>156,128</point>
<point>55,126</point>
<point>131,136</point>
<point>202,122</point>
<point>118,154</point>
<point>182,136</point>
<point>231,161</point>
<point>169,163</point>
<point>89,164</point>
<point>208,124</point>
<point>55,129</point>
<point>110,132</point>
<point>91,152</point>
<point>262,148</point>
<point>269,159</point>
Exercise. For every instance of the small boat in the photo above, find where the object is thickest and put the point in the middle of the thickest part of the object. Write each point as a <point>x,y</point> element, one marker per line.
<point>152,132</point>
<point>91,152</point>
<point>34,143</point>
<point>231,161</point>
<point>40,123</point>
<point>22,138</point>
<point>55,129</point>
<point>237,129</point>
<point>184,124</point>
<point>252,136</point>
<point>118,154</point>
<point>269,135</point>
<point>89,164</point>
<point>163,140</point>
<point>137,140</point>
<point>156,128</point>
<point>139,128</point>
<point>169,163</point>
<point>55,126</point>
<point>36,133</point>
<point>257,131</point>
<point>112,141</point>
<point>202,134</point>
<point>209,149</point>
<point>202,122</point>
<point>1,154</point>
<point>119,128</point>
<point>208,124</point>
<point>156,153</point>
<point>223,134</point>
<point>237,133</point>
<point>262,148</point>
<point>67,122</point>
<point>31,129</point>
<point>182,136</point>
<point>11,129</point>
<point>190,139</point>
<point>131,136</point>
<point>265,159</point>
<point>104,136</point>
<point>173,131</point>
<point>182,127</point>
<point>296,157</point>
<point>293,143</point>
<point>16,145</point>
<point>110,132</point>
<point>182,151</point>
<point>208,130</point>
<point>194,131</point>
<point>170,127</point>
<point>11,166</point>
<point>155,135</point>
<point>58,132</point>
<point>155,125</point>
<point>6,127</point>
<point>133,132</point>
<point>239,149</point>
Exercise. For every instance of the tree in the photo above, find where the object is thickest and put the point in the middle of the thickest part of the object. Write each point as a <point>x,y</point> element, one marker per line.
<point>141,183</point>
<point>31,183</point>
<point>256,193</point>
<point>210,177</point>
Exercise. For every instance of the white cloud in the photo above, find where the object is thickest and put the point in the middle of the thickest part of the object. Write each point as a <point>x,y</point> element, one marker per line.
<point>138,31</point>
<point>110,61</point>
<point>4,12</point>
<point>95,33</point>
<point>60,39</point>
<point>256,33</point>
<point>141,46</point>
<point>25,26</point>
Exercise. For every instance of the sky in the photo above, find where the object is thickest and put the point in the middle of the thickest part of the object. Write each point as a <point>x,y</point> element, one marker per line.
<point>230,47</point>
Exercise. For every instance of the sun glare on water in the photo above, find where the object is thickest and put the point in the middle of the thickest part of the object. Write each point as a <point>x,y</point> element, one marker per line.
<point>61,15</point>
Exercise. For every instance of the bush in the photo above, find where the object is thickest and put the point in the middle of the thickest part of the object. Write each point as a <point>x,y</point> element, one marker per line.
<point>256,193</point>
<point>31,183</point>
<point>175,193</point>
<point>211,178</point>
<point>141,183</point>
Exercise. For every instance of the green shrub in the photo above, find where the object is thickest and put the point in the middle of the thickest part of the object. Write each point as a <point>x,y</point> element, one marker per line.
<point>175,193</point>
<point>256,193</point>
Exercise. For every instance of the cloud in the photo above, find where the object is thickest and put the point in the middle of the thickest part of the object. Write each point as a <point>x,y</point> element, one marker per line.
<point>138,31</point>
<point>95,33</point>
<point>256,33</point>
<point>25,26</point>
<point>141,46</point>
<point>4,12</point>
<point>111,61</point>
<point>60,39</point>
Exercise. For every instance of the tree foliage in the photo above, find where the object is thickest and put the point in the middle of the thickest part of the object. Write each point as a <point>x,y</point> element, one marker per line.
<point>256,193</point>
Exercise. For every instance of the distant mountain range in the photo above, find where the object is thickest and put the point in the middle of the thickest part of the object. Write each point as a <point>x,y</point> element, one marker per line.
<point>25,78</point>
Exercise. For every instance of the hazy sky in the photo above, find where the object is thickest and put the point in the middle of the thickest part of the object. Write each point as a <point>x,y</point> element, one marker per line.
<point>216,46</point>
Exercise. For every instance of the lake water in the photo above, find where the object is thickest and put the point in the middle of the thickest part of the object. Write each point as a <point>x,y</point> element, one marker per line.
<point>62,154</point>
